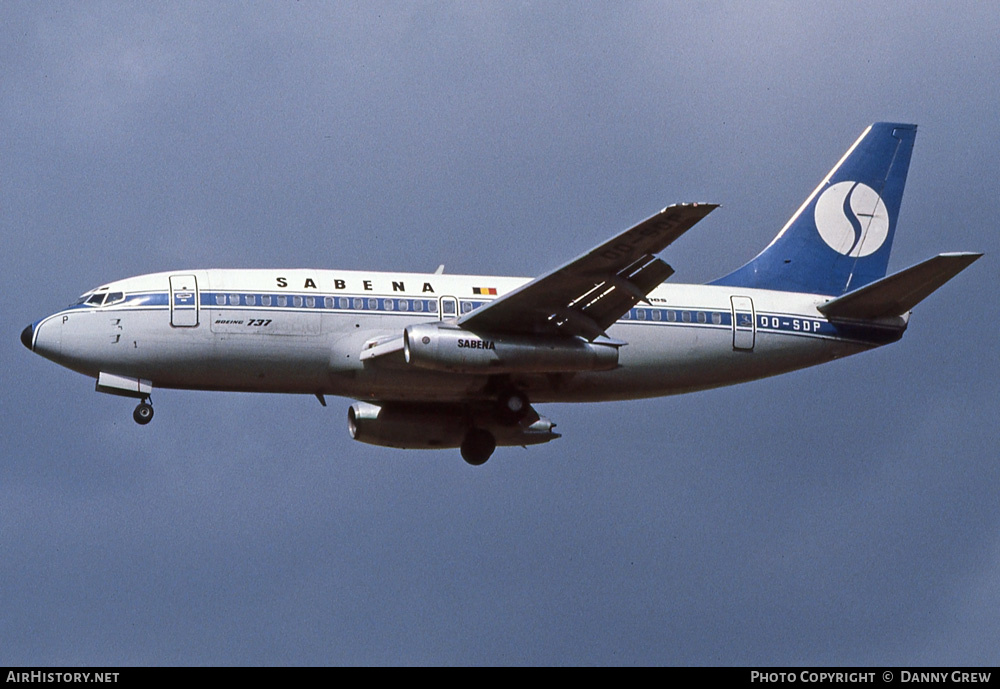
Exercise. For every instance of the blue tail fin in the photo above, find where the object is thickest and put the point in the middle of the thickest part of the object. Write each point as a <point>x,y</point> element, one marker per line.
<point>840,238</point>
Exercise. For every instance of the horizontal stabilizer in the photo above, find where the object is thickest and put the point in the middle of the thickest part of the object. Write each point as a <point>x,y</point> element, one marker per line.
<point>900,292</point>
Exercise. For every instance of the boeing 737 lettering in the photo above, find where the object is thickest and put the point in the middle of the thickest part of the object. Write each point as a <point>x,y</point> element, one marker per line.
<point>446,361</point>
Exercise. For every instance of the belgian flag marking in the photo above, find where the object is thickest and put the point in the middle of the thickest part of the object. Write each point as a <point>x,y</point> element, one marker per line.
<point>485,290</point>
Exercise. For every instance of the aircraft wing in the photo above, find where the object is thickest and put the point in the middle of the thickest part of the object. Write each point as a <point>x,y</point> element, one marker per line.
<point>585,296</point>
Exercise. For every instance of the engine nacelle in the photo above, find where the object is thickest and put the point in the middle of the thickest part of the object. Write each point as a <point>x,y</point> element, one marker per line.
<point>430,427</point>
<point>444,347</point>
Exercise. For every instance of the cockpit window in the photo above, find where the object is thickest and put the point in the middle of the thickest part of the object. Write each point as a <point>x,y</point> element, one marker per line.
<point>101,298</point>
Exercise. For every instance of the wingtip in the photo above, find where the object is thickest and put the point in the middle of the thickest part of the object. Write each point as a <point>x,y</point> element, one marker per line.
<point>970,256</point>
<point>709,207</point>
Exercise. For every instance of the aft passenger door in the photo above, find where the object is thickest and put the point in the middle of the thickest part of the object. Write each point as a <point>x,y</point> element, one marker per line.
<point>183,301</point>
<point>744,324</point>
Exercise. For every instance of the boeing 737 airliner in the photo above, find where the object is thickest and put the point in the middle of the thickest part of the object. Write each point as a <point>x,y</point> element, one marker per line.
<point>444,361</point>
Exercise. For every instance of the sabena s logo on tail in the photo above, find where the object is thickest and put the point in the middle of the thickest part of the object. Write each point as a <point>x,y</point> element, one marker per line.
<point>840,238</point>
<point>852,219</point>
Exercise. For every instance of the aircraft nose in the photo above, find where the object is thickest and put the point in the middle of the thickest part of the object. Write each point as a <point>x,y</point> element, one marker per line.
<point>26,336</point>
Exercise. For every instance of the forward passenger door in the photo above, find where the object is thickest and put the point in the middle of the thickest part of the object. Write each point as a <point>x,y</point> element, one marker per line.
<point>183,301</point>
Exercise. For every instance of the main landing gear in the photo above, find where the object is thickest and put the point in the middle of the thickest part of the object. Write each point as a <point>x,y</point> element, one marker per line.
<point>143,414</point>
<point>478,446</point>
<point>511,407</point>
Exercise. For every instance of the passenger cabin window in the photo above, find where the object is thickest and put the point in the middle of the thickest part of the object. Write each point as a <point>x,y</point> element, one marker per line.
<point>266,300</point>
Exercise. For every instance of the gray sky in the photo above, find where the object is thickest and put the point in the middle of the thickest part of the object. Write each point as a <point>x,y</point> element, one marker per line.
<point>845,514</point>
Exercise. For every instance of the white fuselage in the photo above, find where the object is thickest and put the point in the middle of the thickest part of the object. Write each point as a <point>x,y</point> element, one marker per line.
<point>302,331</point>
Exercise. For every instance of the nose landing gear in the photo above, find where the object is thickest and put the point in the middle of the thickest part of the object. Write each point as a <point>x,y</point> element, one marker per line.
<point>143,413</point>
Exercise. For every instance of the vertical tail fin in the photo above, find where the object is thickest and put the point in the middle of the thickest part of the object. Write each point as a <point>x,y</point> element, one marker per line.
<point>840,238</point>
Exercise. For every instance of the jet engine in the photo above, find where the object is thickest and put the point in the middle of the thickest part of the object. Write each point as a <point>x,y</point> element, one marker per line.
<point>429,427</point>
<point>444,347</point>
